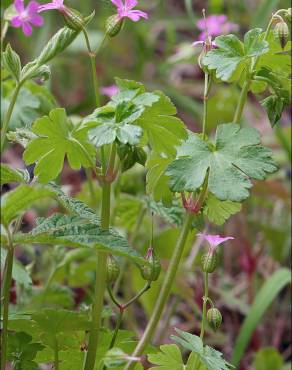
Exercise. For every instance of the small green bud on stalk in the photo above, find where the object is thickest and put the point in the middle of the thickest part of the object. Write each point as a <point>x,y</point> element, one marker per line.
<point>113,25</point>
<point>116,357</point>
<point>73,19</point>
<point>214,318</point>
<point>281,33</point>
<point>151,271</point>
<point>210,260</point>
<point>112,270</point>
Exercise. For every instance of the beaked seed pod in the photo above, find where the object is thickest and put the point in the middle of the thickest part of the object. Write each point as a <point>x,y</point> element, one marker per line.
<point>112,270</point>
<point>209,261</point>
<point>281,32</point>
<point>151,271</point>
<point>113,25</point>
<point>214,318</point>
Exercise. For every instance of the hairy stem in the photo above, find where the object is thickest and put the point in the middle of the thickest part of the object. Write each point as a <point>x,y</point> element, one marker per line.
<point>5,297</point>
<point>100,284</point>
<point>8,115</point>
<point>164,291</point>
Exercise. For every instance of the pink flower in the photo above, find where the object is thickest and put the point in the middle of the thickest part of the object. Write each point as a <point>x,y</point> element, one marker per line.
<point>125,10</point>
<point>214,240</point>
<point>26,16</point>
<point>207,45</point>
<point>216,25</point>
<point>109,90</point>
<point>55,4</point>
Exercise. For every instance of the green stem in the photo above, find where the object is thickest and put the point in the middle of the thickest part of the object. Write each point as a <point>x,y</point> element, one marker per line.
<point>205,301</point>
<point>164,291</point>
<point>5,300</point>
<point>242,101</point>
<point>8,115</point>
<point>100,284</point>
<point>206,92</point>
<point>56,355</point>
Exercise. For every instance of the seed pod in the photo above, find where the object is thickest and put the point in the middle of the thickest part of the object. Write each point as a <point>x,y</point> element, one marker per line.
<point>281,32</point>
<point>214,318</point>
<point>151,271</point>
<point>113,25</point>
<point>209,261</point>
<point>112,270</point>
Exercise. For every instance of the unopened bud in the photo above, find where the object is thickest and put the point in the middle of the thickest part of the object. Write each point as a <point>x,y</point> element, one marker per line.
<point>113,25</point>
<point>75,20</point>
<point>112,270</point>
<point>210,261</point>
<point>214,318</point>
<point>281,33</point>
<point>151,270</point>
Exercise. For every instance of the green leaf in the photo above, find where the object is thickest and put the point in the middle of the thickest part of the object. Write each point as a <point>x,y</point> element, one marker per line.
<point>232,56</point>
<point>19,273</point>
<point>174,214</point>
<point>169,358</point>
<point>21,136</point>
<point>163,129</point>
<point>21,351</point>
<point>274,106</point>
<point>57,138</point>
<point>75,206</point>
<point>219,211</point>
<point>268,359</point>
<point>9,175</point>
<point>34,70</point>
<point>264,298</point>
<point>11,62</point>
<point>25,110</point>
<point>75,231</point>
<point>156,180</point>
<point>133,112</point>
<point>19,200</point>
<point>208,356</point>
<point>235,157</point>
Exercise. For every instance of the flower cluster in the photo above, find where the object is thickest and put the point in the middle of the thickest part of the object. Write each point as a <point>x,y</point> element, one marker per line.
<point>26,17</point>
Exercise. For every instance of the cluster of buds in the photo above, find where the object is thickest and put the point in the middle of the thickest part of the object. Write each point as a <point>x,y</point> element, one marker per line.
<point>281,30</point>
<point>151,270</point>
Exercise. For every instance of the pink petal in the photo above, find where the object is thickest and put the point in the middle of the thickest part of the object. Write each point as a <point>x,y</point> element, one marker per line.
<point>19,6</point>
<point>220,18</point>
<point>16,22</point>
<point>37,20</point>
<point>118,3</point>
<point>109,90</point>
<point>48,6</point>
<point>135,15</point>
<point>32,7</point>
<point>201,24</point>
<point>130,4</point>
<point>26,28</point>
<point>214,240</point>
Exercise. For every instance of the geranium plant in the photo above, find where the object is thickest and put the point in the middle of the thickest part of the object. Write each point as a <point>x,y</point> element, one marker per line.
<point>190,177</point>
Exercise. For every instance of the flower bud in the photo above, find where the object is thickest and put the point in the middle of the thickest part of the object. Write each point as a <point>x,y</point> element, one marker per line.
<point>113,25</point>
<point>214,318</point>
<point>210,261</point>
<point>151,271</point>
<point>281,33</point>
<point>73,19</point>
<point>112,270</point>
<point>115,357</point>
